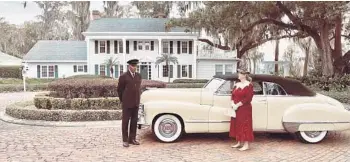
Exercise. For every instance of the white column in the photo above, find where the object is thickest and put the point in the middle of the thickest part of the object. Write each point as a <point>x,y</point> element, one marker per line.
<point>87,40</point>
<point>194,66</point>
<point>124,55</point>
<point>159,46</point>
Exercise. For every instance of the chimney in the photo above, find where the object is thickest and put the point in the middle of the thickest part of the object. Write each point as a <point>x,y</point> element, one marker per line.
<point>96,15</point>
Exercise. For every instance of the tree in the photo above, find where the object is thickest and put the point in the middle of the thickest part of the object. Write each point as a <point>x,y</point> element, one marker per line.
<point>112,9</point>
<point>79,18</point>
<point>167,59</point>
<point>293,61</point>
<point>111,63</point>
<point>254,57</point>
<point>305,45</point>
<point>150,9</point>
<point>277,55</point>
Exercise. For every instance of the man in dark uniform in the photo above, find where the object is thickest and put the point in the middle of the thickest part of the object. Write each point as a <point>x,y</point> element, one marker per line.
<point>129,94</point>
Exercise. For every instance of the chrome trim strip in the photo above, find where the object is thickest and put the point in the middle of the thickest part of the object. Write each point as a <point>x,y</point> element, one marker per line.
<point>203,121</point>
<point>294,126</point>
<point>310,122</point>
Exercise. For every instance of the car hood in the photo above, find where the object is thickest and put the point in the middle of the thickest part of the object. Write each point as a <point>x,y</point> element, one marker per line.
<point>172,94</point>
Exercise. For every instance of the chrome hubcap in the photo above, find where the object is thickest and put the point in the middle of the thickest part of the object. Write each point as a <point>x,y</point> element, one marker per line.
<point>167,128</point>
<point>313,134</point>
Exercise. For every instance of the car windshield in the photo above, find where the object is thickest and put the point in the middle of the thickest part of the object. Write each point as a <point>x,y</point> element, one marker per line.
<point>214,84</point>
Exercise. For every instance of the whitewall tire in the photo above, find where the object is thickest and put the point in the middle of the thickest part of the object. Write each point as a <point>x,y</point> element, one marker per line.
<point>311,136</point>
<point>167,128</point>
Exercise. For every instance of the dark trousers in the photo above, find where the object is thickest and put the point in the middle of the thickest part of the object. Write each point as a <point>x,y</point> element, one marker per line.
<point>129,114</point>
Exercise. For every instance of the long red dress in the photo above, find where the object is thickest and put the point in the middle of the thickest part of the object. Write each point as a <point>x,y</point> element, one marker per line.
<point>241,127</point>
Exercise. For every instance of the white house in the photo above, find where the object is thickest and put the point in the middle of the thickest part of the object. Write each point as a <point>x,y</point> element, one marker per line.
<point>125,39</point>
<point>8,60</point>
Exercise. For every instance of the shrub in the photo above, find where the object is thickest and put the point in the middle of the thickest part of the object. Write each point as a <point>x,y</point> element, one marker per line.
<point>26,110</point>
<point>190,81</point>
<point>185,85</point>
<point>88,76</point>
<point>327,84</point>
<point>92,88</point>
<point>50,103</point>
<point>10,72</point>
<point>343,97</point>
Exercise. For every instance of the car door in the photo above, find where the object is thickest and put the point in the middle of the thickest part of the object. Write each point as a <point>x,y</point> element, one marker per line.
<point>219,122</point>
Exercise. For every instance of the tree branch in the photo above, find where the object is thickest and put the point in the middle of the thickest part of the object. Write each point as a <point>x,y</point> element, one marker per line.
<point>215,45</point>
<point>270,21</point>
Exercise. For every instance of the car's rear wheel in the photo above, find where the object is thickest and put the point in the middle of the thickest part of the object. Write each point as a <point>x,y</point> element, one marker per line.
<point>167,128</point>
<point>311,136</point>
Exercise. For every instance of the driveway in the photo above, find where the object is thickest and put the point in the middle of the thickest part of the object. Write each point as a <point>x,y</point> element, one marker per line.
<point>29,143</point>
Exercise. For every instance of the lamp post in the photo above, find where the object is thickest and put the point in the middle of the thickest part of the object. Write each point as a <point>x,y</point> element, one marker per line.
<point>24,70</point>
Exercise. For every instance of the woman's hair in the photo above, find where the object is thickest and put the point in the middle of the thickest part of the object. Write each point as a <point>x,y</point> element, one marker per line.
<point>249,78</point>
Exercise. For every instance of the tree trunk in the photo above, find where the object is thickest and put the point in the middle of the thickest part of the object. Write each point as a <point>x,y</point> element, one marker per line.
<point>254,64</point>
<point>325,51</point>
<point>276,56</point>
<point>306,61</point>
<point>337,53</point>
<point>167,68</point>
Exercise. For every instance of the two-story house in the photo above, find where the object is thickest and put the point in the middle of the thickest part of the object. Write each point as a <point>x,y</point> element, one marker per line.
<point>125,39</point>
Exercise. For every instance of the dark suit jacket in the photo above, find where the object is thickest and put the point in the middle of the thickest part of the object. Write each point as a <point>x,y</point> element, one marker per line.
<point>129,90</point>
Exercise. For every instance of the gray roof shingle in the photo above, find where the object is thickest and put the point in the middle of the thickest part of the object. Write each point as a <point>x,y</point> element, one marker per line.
<point>57,50</point>
<point>131,25</point>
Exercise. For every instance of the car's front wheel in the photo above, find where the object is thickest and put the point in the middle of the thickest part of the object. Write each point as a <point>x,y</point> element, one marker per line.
<point>167,128</point>
<point>311,136</point>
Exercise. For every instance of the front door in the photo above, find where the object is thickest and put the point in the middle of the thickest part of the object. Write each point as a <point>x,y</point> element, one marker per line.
<point>144,71</point>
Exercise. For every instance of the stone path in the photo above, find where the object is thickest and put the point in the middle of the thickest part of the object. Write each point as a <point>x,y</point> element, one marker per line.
<point>20,143</point>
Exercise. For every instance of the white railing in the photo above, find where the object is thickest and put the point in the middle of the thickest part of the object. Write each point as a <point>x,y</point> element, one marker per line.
<point>215,54</point>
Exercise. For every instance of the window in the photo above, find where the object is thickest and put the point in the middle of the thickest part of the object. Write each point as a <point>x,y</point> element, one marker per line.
<point>44,71</point>
<point>226,88</point>
<point>121,69</point>
<point>214,84</point>
<point>184,71</point>
<point>165,47</point>
<point>116,47</point>
<point>120,46</point>
<point>139,45</point>
<point>80,68</point>
<point>51,71</point>
<point>103,70</point>
<point>102,46</point>
<point>147,45</point>
<point>184,47</point>
<point>274,89</point>
<point>228,69</point>
<point>258,88</point>
<point>218,69</point>
<point>165,71</point>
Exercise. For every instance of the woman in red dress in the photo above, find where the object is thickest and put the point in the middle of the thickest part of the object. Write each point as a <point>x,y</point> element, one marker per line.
<point>241,127</point>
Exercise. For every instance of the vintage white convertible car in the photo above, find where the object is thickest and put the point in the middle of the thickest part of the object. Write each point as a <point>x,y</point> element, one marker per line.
<point>279,105</point>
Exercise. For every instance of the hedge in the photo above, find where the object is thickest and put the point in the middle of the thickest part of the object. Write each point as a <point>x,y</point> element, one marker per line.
<point>190,81</point>
<point>19,87</point>
<point>88,76</point>
<point>10,72</point>
<point>327,84</point>
<point>92,88</point>
<point>50,103</point>
<point>26,110</point>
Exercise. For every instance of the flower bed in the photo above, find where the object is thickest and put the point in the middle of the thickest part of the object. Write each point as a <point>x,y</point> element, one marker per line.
<point>27,110</point>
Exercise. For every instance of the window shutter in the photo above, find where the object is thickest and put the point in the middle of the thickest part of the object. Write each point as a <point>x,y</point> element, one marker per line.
<point>178,47</point>
<point>38,71</point>
<point>85,68</point>
<point>116,71</point>
<point>135,45</point>
<point>108,47</point>
<point>96,69</point>
<point>56,71</point>
<point>121,47</point>
<point>190,46</point>
<point>96,47</point>
<point>115,47</point>
<point>178,71</point>
<point>171,47</point>
<point>152,45</point>
<point>171,71</point>
<point>75,68</point>
<point>127,47</point>
<point>108,70</point>
<point>190,71</point>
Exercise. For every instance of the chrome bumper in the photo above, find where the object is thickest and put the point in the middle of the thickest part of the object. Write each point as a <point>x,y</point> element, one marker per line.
<point>141,122</point>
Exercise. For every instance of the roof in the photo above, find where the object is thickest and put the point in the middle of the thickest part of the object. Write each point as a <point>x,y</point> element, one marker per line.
<point>291,86</point>
<point>46,50</point>
<point>131,25</point>
<point>7,60</point>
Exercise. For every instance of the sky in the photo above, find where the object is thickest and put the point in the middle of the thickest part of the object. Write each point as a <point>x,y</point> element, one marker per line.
<point>15,13</point>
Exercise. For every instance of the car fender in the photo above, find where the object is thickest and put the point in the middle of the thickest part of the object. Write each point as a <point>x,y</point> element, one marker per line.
<point>186,110</point>
<point>315,117</point>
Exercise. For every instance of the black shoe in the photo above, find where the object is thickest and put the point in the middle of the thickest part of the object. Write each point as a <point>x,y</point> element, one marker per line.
<point>134,142</point>
<point>125,144</point>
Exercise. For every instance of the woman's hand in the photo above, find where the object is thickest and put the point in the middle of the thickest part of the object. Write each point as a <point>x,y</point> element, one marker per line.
<point>239,104</point>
